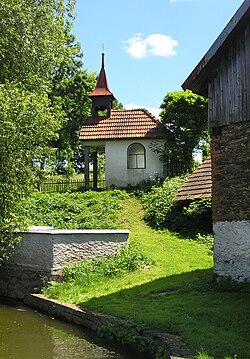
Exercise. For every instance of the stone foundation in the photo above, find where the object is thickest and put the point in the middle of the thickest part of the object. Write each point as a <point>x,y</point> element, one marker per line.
<point>230,153</point>
<point>232,250</point>
<point>16,282</point>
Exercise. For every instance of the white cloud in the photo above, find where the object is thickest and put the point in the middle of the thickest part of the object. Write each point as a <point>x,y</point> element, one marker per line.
<point>136,46</point>
<point>154,45</point>
<point>155,111</point>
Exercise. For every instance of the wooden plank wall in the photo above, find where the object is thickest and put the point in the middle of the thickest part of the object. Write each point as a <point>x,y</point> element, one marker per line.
<point>229,91</point>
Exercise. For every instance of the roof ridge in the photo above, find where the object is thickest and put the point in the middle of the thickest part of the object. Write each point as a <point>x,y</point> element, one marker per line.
<point>130,109</point>
<point>151,115</point>
<point>143,109</point>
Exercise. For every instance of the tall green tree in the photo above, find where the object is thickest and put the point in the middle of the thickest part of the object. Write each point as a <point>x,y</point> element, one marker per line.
<point>184,114</point>
<point>72,84</point>
<point>32,47</point>
<point>27,122</point>
<point>32,38</point>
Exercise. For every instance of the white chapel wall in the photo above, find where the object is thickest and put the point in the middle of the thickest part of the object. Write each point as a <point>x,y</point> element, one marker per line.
<point>116,171</point>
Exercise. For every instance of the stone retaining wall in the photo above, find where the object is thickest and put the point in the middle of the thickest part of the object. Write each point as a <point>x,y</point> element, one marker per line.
<point>48,249</point>
<point>44,251</point>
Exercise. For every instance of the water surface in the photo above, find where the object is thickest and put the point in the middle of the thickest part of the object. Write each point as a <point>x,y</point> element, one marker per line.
<point>27,334</point>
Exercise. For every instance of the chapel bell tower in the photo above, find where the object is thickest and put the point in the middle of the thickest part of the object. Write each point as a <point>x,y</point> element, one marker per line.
<point>101,96</point>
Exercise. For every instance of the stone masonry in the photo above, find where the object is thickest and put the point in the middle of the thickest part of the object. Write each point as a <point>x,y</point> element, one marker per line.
<point>230,152</point>
<point>44,252</point>
<point>231,173</point>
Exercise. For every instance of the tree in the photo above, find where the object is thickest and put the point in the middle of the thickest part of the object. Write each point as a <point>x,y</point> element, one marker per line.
<point>185,115</point>
<point>117,105</point>
<point>32,46</point>
<point>32,39</point>
<point>71,84</point>
<point>27,122</point>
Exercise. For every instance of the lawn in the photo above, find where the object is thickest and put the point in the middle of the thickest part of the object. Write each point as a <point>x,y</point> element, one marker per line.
<point>178,294</point>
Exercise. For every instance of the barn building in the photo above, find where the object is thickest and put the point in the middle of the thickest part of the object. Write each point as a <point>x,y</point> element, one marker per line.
<point>223,75</point>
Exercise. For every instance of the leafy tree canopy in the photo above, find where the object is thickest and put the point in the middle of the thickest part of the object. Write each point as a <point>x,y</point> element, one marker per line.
<point>27,123</point>
<point>117,105</point>
<point>71,84</point>
<point>32,47</point>
<point>185,115</point>
<point>32,41</point>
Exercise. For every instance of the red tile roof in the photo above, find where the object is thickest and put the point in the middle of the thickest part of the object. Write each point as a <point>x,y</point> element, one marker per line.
<point>123,124</point>
<point>199,184</point>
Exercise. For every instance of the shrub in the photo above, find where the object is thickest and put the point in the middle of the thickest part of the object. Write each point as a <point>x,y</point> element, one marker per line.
<point>131,335</point>
<point>189,218</point>
<point>159,201</point>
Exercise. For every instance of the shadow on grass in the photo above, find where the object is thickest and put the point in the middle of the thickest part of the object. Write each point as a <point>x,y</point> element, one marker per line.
<point>191,305</point>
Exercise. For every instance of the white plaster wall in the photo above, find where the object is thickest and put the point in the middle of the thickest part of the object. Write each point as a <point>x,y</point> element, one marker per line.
<point>44,249</point>
<point>116,170</point>
<point>232,250</point>
<point>34,252</point>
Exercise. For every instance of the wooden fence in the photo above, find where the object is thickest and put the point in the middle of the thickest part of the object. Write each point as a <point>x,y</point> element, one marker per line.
<point>63,185</point>
<point>66,185</point>
<point>177,169</point>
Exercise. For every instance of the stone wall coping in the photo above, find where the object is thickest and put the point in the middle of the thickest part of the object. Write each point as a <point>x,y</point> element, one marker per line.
<point>50,230</point>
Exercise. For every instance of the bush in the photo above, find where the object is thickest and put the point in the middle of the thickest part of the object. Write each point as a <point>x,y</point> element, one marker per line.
<point>159,201</point>
<point>131,335</point>
<point>189,218</point>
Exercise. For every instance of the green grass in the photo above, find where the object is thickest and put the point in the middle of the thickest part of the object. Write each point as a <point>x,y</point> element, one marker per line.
<point>177,294</point>
<point>76,210</point>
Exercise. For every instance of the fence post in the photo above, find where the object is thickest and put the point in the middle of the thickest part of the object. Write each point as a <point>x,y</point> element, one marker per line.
<point>94,170</point>
<point>86,167</point>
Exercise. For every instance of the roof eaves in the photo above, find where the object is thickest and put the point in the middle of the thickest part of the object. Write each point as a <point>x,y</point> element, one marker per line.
<point>195,81</point>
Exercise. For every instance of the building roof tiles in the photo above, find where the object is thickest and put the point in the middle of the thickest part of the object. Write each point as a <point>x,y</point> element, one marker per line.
<point>123,124</point>
<point>199,184</point>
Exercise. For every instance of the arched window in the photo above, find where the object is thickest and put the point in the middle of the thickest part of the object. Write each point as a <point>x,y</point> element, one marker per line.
<point>136,156</point>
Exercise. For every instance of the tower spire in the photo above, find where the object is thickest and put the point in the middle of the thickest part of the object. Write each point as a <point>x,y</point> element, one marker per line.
<point>103,59</point>
<point>101,96</point>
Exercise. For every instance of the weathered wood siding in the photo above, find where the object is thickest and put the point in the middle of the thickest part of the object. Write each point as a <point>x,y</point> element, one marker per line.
<point>229,91</point>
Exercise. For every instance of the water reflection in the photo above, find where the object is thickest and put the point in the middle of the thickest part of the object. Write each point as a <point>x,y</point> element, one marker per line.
<point>26,334</point>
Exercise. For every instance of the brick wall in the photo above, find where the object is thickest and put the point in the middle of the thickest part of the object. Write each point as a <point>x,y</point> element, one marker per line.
<point>230,149</point>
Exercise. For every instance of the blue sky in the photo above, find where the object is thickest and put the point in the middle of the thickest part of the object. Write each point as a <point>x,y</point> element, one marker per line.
<point>151,46</point>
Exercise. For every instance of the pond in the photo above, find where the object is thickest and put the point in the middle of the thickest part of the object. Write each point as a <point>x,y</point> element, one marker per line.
<point>27,334</point>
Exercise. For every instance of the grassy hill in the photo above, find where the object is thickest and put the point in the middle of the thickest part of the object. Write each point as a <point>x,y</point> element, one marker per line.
<point>176,294</point>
